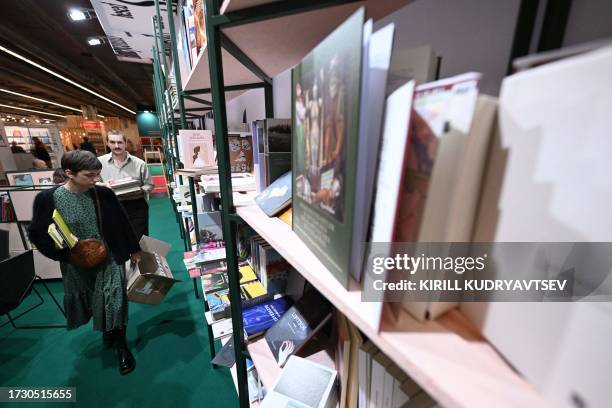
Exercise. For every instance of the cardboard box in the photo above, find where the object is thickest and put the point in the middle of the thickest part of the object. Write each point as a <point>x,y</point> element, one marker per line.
<point>150,280</point>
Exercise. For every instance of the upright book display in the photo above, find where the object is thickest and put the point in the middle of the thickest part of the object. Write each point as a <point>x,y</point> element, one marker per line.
<point>325,116</point>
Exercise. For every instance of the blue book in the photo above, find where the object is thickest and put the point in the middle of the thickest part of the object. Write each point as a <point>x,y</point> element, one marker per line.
<point>259,318</point>
<point>276,197</point>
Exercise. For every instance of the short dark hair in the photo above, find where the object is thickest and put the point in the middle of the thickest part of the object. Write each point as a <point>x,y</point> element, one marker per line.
<point>85,139</point>
<point>77,160</point>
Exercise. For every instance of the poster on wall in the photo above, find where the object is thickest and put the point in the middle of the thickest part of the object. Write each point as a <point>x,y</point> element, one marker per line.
<point>19,135</point>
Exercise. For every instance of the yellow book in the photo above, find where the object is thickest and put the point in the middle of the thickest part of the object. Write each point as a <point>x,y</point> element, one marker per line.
<point>63,229</point>
<point>253,289</point>
<point>55,236</point>
<point>247,274</point>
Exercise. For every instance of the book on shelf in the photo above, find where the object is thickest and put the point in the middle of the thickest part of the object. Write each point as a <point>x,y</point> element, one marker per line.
<point>277,148</point>
<point>276,197</point>
<point>220,327</point>
<point>240,152</point>
<point>325,123</point>
<point>252,290</point>
<point>259,318</point>
<point>287,217</point>
<point>342,356</point>
<point>214,281</point>
<point>259,157</point>
<point>376,59</point>
<point>219,302</point>
<point>210,226</point>
<point>240,182</point>
<point>303,383</point>
<point>196,150</point>
<point>298,325</point>
<point>273,269</point>
<point>356,340</point>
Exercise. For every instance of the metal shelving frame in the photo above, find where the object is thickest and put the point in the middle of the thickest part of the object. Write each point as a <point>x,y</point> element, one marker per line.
<point>215,23</point>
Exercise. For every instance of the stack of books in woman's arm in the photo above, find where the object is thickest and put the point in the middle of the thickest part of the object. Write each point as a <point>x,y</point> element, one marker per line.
<point>60,233</point>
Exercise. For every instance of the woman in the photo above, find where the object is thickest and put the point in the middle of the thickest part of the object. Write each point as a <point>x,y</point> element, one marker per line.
<point>40,152</point>
<point>98,293</point>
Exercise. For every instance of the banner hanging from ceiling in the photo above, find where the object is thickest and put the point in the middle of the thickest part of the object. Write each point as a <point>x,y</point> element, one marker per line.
<point>128,25</point>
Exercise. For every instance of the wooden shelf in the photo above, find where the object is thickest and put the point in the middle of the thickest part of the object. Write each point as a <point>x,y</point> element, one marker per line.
<point>234,73</point>
<point>446,357</point>
<point>276,45</point>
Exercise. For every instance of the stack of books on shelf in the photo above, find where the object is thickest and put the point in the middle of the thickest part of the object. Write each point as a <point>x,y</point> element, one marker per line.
<point>241,182</point>
<point>216,292</point>
<point>208,258</point>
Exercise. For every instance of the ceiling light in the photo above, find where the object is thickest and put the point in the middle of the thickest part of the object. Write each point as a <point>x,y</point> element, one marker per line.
<point>94,41</point>
<point>21,57</point>
<point>31,110</point>
<point>40,99</point>
<point>78,15</point>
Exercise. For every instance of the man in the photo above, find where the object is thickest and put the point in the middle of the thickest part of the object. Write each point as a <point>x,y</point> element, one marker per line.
<point>119,164</point>
<point>15,148</point>
<point>87,145</point>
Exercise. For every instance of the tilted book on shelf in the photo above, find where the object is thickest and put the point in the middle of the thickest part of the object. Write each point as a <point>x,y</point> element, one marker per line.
<point>298,325</point>
<point>325,115</point>
<point>259,318</point>
<point>276,197</point>
<point>303,384</point>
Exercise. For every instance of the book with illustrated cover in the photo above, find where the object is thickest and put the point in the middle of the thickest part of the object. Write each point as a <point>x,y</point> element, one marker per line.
<point>277,153</point>
<point>298,325</point>
<point>325,115</point>
<point>247,274</point>
<point>259,318</point>
<point>303,384</point>
<point>277,196</point>
<point>214,281</point>
<point>287,217</point>
<point>196,148</point>
<point>240,152</point>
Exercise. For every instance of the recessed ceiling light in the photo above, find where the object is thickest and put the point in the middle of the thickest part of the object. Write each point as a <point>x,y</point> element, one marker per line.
<point>77,15</point>
<point>94,41</point>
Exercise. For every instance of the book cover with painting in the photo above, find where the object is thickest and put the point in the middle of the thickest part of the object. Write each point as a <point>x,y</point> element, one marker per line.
<point>196,148</point>
<point>325,120</point>
<point>440,108</point>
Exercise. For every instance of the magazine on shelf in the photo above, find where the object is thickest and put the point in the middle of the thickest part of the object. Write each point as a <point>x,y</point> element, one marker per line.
<point>298,325</point>
<point>325,114</point>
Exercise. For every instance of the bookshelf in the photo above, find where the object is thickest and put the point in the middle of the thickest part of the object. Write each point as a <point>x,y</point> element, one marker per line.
<point>446,356</point>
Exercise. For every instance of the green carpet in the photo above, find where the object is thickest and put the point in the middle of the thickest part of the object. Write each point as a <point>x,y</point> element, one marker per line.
<point>169,342</point>
<point>155,170</point>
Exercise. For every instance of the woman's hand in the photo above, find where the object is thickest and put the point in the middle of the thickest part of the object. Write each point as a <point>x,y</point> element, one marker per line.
<point>135,258</point>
